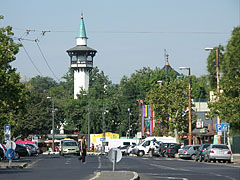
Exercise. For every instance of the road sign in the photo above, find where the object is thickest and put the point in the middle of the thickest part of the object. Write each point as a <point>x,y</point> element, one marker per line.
<point>10,154</point>
<point>10,145</point>
<point>218,128</point>
<point>224,127</point>
<point>102,139</point>
<point>114,154</point>
<point>7,129</point>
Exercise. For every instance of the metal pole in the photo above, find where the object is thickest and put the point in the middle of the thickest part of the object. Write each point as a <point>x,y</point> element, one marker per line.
<point>88,126</point>
<point>218,88</point>
<point>189,107</point>
<point>104,136</point>
<point>53,110</point>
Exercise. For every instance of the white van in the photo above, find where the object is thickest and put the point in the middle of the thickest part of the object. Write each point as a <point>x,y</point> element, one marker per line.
<point>143,147</point>
<point>114,143</point>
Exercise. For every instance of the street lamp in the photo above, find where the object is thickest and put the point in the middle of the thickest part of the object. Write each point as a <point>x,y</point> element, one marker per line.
<point>189,105</point>
<point>53,110</point>
<point>89,116</point>
<point>218,87</point>
<point>129,111</point>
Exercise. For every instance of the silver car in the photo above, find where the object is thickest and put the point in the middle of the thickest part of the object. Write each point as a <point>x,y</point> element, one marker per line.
<point>218,152</point>
<point>188,151</point>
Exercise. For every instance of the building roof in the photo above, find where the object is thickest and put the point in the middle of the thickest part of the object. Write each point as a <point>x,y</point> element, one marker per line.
<point>81,48</point>
<point>82,32</point>
<point>168,68</point>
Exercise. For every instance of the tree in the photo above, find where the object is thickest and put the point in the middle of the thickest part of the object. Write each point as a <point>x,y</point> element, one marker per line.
<point>169,101</point>
<point>228,106</point>
<point>11,90</point>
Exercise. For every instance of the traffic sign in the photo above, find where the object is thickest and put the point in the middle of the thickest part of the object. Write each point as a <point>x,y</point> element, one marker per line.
<point>114,155</point>
<point>224,127</point>
<point>10,154</point>
<point>10,145</point>
<point>218,128</point>
<point>102,139</point>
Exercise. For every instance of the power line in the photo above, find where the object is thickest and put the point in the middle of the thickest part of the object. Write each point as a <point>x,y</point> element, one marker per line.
<point>46,60</point>
<point>30,57</point>
<point>137,32</point>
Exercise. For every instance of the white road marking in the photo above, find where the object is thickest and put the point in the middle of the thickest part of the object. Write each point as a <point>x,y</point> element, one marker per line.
<point>99,163</point>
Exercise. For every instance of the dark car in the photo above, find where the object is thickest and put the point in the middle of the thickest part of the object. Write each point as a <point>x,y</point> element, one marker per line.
<point>21,150</point>
<point>200,153</point>
<point>163,148</point>
<point>1,154</point>
<point>172,150</point>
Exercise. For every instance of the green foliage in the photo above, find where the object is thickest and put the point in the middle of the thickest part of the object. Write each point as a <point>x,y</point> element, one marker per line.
<point>11,90</point>
<point>228,106</point>
<point>169,101</point>
<point>211,65</point>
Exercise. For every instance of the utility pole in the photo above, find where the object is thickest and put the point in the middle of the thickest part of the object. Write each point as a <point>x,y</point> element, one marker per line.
<point>53,111</point>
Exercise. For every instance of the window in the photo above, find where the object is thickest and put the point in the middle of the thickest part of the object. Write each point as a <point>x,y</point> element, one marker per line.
<point>126,143</point>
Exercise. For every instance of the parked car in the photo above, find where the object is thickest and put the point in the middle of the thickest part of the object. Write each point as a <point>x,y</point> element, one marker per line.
<point>35,149</point>
<point>3,151</point>
<point>200,152</point>
<point>172,150</point>
<point>21,150</point>
<point>163,148</point>
<point>217,152</point>
<point>188,151</point>
<point>123,149</point>
<point>130,149</point>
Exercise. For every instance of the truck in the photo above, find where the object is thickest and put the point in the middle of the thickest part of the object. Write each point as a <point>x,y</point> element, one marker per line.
<point>143,147</point>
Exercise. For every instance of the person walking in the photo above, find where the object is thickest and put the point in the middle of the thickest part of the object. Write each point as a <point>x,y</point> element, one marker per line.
<point>83,149</point>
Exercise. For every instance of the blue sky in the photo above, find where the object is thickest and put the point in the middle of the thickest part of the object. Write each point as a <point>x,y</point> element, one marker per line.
<point>128,34</point>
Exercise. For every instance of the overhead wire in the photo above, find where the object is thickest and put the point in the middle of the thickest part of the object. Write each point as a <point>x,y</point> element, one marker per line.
<point>30,57</point>
<point>46,60</point>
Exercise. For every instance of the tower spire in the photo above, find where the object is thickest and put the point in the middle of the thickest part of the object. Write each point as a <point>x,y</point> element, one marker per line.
<point>82,35</point>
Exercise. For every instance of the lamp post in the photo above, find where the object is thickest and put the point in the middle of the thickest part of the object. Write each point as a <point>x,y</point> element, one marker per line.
<point>218,87</point>
<point>53,111</point>
<point>89,116</point>
<point>189,105</point>
<point>129,112</point>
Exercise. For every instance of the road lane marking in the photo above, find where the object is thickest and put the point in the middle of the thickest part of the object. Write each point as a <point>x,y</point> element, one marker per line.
<point>99,162</point>
<point>166,167</point>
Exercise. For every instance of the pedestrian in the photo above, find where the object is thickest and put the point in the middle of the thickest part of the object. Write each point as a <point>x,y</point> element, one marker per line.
<point>83,149</point>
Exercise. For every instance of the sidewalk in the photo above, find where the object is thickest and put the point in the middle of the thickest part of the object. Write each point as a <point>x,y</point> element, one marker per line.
<point>236,158</point>
<point>116,175</point>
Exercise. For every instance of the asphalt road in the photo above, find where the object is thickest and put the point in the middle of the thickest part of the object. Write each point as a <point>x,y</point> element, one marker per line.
<point>68,167</point>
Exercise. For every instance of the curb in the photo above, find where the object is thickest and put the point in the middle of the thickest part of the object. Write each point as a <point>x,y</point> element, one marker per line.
<point>21,166</point>
<point>135,175</point>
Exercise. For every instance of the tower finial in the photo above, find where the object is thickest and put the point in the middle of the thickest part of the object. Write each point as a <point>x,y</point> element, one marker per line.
<point>81,15</point>
<point>167,63</point>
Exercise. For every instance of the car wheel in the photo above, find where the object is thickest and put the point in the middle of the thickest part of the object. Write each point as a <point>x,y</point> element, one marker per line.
<point>193,157</point>
<point>140,153</point>
<point>214,160</point>
<point>224,161</point>
<point>228,161</point>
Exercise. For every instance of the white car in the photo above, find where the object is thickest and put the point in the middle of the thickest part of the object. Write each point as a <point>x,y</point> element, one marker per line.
<point>219,152</point>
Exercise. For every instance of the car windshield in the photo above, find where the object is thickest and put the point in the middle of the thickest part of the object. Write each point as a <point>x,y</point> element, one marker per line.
<point>220,146</point>
<point>186,147</point>
<point>69,143</point>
